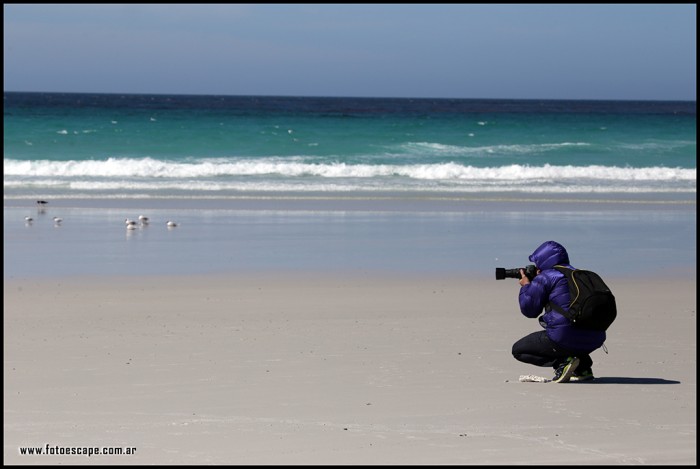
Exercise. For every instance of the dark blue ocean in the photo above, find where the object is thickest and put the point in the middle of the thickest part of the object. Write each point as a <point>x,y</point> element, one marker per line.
<point>161,146</point>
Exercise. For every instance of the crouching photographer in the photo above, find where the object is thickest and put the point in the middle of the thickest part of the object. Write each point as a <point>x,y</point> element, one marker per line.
<point>563,344</point>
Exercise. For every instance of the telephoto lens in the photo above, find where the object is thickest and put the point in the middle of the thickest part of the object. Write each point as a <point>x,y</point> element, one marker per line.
<point>530,272</point>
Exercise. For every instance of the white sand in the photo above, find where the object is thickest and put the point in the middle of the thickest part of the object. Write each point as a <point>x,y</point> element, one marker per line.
<point>335,370</point>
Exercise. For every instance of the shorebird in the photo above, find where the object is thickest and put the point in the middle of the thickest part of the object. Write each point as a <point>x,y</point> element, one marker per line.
<point>40,206</point>
<point>28,220</point>
<point>131,226</point>
<point>129,222</point>
<point>57,220</point>
<point>143,220</point>
<point>171,224</point>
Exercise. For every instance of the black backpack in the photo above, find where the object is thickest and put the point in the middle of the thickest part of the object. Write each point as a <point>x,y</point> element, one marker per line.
<point>592,303</point>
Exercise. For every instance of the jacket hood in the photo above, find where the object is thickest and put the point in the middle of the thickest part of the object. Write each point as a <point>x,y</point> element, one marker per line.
<point>549,254</point>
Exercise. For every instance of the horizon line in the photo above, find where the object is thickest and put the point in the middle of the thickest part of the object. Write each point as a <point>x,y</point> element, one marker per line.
<point>352,97</point>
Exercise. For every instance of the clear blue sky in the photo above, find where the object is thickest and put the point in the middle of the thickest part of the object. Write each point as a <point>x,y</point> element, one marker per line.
<point>445,51</point>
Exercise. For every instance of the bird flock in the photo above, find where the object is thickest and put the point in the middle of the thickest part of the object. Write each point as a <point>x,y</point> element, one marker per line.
<point>144,221</point>
<point>131,224</point>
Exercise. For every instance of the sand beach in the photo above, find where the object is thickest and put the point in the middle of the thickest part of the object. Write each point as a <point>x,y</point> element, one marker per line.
<point>339,369</point>
<point>339,331</point>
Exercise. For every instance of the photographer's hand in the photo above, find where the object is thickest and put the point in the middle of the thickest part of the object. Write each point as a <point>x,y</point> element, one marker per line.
<point>523,278</point>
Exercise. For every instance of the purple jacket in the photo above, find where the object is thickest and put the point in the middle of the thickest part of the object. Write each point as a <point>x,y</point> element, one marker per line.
<point>551,286</point>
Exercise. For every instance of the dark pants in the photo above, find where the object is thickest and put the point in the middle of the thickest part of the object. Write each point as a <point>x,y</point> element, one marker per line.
<point>537,349</point>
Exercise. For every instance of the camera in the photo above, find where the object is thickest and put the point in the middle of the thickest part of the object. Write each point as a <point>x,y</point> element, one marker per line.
<point>530,272</point>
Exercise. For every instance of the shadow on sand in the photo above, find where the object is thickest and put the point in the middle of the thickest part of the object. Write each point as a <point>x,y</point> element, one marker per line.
<point>625,380</point>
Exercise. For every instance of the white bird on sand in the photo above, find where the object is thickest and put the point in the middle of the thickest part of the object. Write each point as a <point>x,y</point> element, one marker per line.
<point>129,222</point>
<point>28,220</point>
<point>57,220</point>
<point>171,224</point>
<point>143,220</point>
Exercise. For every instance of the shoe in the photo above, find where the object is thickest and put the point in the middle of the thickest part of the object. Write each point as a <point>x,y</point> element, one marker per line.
<point>586,375</point>
<point>565,370</point>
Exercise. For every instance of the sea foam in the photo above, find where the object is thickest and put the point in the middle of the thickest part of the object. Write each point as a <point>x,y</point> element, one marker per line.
<point>152,168</point>
<point>156,177</point>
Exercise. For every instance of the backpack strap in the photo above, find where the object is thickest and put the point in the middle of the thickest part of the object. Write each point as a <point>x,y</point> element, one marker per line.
<point>567,314</point>
<point>568,274</point>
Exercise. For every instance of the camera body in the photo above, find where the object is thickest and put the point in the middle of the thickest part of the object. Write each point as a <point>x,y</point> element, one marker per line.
<point>530,272</point>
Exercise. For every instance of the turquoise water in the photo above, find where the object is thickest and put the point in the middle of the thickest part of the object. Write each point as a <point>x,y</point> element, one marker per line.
<point>396,186</point>
<point>141,146</point>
